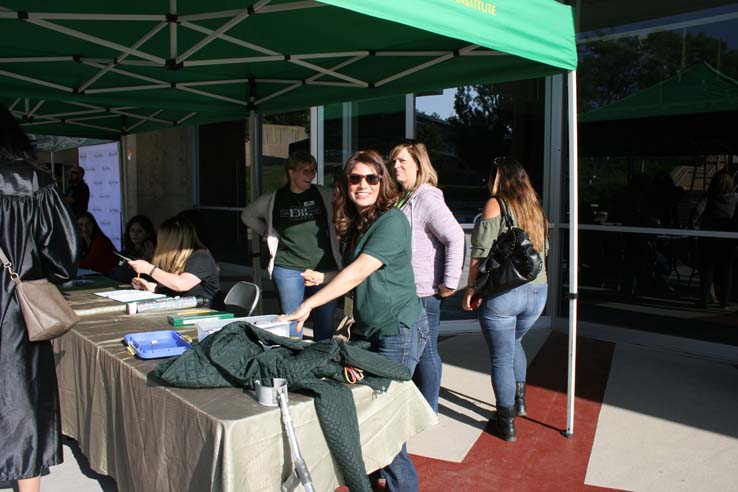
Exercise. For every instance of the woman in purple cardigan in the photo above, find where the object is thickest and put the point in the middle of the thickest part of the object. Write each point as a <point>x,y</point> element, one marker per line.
<point>437,251</point>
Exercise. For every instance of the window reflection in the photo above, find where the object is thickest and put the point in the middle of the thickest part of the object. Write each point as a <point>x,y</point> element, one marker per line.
<point>658,101</point>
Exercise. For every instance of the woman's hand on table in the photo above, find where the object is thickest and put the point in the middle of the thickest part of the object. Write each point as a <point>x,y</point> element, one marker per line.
<point>141,266</point>
<point>313,278</point>
<point>141,284</point>
<point>301,314</point>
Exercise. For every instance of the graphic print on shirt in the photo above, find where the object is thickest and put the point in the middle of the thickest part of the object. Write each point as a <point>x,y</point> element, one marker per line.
<point>299,212</point>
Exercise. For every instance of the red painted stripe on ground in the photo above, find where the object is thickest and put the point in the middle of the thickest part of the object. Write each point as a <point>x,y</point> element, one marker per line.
<point>542,459</point>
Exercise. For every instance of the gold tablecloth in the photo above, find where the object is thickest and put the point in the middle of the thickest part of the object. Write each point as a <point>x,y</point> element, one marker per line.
<point>155,438</point>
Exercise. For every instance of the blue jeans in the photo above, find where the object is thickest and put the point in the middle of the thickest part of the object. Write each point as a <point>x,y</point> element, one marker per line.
<point>430,368</point>
<point>505,320</point>
<point>292,291</point>
<point>404,348</point>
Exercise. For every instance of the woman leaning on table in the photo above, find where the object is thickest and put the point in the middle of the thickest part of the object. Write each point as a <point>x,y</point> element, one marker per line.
<point>39,236</point>
<point>437,249</point>
<point>296,221</point>
<point>182,265</point>
<point>505,318</point>
<point>378,271</point>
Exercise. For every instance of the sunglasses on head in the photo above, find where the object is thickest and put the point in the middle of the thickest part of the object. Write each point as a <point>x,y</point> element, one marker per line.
<point>371,179</point>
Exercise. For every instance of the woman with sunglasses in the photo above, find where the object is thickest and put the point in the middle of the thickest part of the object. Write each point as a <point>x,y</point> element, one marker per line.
<point>437,250</point>
<point>506,318</point>
<point>182,265</point>
<point>386,310</point>
<point>297,221</point>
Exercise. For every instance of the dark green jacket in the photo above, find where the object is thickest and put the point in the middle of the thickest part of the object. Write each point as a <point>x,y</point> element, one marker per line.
<point>235,356</point>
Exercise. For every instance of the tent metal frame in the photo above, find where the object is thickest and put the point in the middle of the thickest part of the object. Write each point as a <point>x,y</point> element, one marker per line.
<point>180,57</point>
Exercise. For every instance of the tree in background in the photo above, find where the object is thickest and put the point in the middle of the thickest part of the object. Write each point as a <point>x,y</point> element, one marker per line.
<point>482,125</point>
<point>611,70</point>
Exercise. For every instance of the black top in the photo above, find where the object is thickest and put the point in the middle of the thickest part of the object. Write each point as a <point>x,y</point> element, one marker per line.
<point>304,234</point>
<point>80,192</point>
<point>202,265</point>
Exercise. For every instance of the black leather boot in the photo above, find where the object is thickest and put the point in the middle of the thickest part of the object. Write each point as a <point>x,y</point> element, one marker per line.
<point>504,425</point>
<point>520,409</point>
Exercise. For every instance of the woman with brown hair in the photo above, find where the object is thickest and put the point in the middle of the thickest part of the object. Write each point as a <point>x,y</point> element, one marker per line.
<point>387,313</point>
<point>505,318</point>
<point>97,251</point>
<point>182,265</point>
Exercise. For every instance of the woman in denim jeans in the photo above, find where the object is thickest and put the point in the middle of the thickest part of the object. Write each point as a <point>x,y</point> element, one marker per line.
<point>505,318</point>
<point>296,221</point>
<point>438,250</point>
<point>386,310</point>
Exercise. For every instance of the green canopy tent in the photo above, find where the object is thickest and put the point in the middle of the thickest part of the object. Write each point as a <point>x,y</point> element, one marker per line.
<point>104,69</point>
<point>691,112</point>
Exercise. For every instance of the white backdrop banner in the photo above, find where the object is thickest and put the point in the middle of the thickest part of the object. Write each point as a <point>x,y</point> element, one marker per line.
<point>102,175</point>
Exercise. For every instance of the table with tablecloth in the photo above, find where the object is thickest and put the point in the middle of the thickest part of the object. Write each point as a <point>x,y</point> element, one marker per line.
<point>155,438</point>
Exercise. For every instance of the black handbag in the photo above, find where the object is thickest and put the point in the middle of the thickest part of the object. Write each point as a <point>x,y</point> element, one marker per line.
<point>512,261</point>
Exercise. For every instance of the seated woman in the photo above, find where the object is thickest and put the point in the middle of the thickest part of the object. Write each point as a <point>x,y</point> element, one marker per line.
<point>182,265</point>
<point>139,243</point>
<point>98,252</point>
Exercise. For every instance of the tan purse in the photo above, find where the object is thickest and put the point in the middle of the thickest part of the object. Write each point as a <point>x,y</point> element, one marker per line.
<point>46,312</point>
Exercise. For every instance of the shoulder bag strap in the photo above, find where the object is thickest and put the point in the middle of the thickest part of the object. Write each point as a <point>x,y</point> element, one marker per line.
<point>504,211</point>
<point>7,265</point>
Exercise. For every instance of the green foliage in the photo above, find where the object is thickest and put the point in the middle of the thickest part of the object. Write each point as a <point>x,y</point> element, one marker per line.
<point>482,125</point>
<point>611,70</point>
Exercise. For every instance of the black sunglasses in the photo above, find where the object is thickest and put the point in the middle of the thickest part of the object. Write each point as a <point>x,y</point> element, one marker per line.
<point>371,179</point>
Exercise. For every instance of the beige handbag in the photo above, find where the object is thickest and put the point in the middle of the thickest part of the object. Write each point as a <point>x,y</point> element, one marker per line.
<point>47,313</point>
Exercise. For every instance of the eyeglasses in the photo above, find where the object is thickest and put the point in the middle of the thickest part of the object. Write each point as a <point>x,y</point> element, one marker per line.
<point>371,179</point>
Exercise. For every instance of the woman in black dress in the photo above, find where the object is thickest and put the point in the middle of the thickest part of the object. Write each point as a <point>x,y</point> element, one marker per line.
<point>38,234</point>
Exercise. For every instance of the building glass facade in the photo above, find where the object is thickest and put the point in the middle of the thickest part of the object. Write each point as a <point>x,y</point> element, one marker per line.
<point>658,161</point>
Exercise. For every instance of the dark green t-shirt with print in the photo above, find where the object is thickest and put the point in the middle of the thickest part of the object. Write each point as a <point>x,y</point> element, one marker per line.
<point>387,297</point>
<point>302,223</point>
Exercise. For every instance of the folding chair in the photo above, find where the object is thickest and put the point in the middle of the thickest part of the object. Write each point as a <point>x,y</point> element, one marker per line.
<point>242,299</point>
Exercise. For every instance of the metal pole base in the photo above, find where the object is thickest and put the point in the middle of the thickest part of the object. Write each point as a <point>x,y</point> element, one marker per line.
<point>567,433</point>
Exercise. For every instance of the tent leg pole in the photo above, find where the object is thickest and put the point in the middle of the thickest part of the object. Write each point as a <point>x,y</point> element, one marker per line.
<point>573,248</point>
<point>255,174</point>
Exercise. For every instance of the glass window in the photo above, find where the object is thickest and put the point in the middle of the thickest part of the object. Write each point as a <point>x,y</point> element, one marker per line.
<point>223,183</point>
<point>657,106</point>
<point>376,124</point>
<point>466,127</point>
<point>282,134</point>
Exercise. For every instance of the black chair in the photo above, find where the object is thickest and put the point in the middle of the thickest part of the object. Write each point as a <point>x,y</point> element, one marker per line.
<point>242,299</point>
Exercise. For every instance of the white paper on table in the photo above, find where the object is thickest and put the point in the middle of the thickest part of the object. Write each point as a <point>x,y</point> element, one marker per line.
<point>129,295</point>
